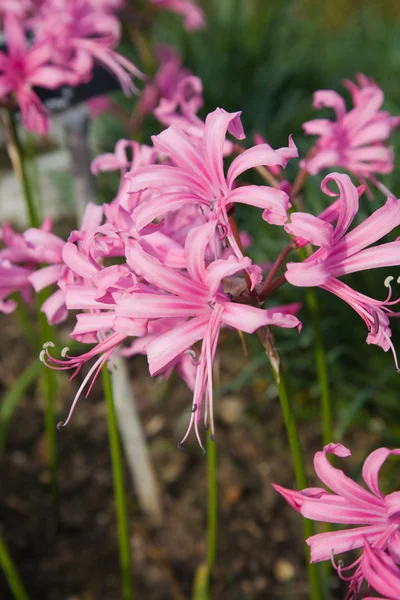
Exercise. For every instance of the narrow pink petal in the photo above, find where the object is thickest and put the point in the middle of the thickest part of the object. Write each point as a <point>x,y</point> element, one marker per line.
<point>92,323</point>
<point>158,274</point>
<point>54,308</point>
<point>92,217</point>
<point>178,146</point>
<point>260,155</point>
<point>371,133</point>
<point>338,482</point>
<point>307,274</point>
<point>157,206</point>
<point>248,318</point>
<point>292,497</point>
<point>79,297</point>
<point>154,306</point>
<point>318,127</point>
<point>15,36</point>
<point>51,77</point>
<point>78,262</point>
<point>332,512</point>
<point>221,268</point>
<point>349,201</point>
<point>166,347</point>
<point>322,545</point>
<point>310,228</point>
<point>330,99</point>
<point>385,255</point>
<point>381,572</point>
<point>162,177</point>
<point>274,202</point>
<point>45,276</point>
<point>376,226</point>
<point>216,127</point>
<point>372,467</point>
<point>322,160</point>
<point>196,244</point>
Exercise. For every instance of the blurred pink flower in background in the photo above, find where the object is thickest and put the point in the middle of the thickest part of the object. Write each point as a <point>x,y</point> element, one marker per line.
<point>356,140</point>
<point>377,516</point>
<point>23,67</point>
<point>19,8</point>
<point>193,16</point>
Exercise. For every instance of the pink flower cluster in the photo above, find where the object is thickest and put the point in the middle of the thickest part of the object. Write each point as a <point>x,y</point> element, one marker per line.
<point>69,37</point>
<point>376,516</point>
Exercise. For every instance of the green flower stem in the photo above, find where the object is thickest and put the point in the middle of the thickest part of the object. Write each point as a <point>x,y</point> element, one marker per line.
<point>300,474</point>
<point>119,490</point>
<point>17,156</point>
<point>212,509</point>
<point>11,573</point>
<point>322,368</point>
<point>49,378</point>
<point>320,359</point>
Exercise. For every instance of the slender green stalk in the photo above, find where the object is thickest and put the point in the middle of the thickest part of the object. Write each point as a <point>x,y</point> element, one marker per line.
<point>11,573</point>
<point>119,490</point>
<point>300,474</point>
<point>17,157</point>
<point>49,378</point>
<point>212,509</point>
<point>322,367</point>
<point>320,359</point>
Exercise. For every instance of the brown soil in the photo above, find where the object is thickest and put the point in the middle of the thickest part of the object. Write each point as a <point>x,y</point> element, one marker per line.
<point>260,553</point>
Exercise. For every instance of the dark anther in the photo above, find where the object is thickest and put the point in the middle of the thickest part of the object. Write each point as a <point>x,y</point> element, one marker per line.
<point>60,425</point>
<point>212,437</point>
<point>230,296</point>
<point>205,427</point>
<point>180,447</point>
<point>194,408</point>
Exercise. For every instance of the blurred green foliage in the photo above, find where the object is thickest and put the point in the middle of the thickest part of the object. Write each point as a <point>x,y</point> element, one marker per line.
<point>267,58</point>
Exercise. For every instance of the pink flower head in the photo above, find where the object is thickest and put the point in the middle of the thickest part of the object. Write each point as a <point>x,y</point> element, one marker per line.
<point>195,295</point>
<point>376,516</point>
<point>197,175</point>
<point>341,252</point>
<point>82,32</point>
<point>381,572</point>
<point>193,16</point>
<point>356,140</point>
<point>22,68</point>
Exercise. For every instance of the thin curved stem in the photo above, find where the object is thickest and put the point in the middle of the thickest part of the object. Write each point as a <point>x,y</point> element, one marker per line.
<point>300,475</point>
<point>11,573</point>
<point>119,490</point>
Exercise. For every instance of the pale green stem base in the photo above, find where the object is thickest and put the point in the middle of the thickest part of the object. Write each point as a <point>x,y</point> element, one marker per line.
<point>119,490</point>
<point>11,573</point>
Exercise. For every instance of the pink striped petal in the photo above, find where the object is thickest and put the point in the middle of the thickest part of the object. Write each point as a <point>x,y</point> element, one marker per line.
<point>164,176</point>
<point>322,545</point>
<point>45,276</point>
<point>216,127</point>
<point>196,244</point>
<point>307,274</point>
<point>274,202</point>
<point>349,201</point>
<point>154,306</point>
<point>157,206</point>
<point>385,255</point>
<point>221,268</point>
<point>178,146</point>
<point>338,482</point>
<point>163,277</point>
<point>260,155</point>
<point>249,319</point>
<point>78,262</point>
<point>372,466</point>
<point>318,127</point>
<point>381,572</point>
<point>166,347</point>
<point>310,228</point>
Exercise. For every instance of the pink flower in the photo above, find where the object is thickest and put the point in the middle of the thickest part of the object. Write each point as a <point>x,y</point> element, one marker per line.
<point>375,515</point>
<point>82,32</point>
<point>381,572</point>
<point>196,296</point>
<point>192,14</point>
<point>197,175</point>
<point>22,68</point>
<point>341,252</point>
<point>18,8</point>
<point>356,140</point>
